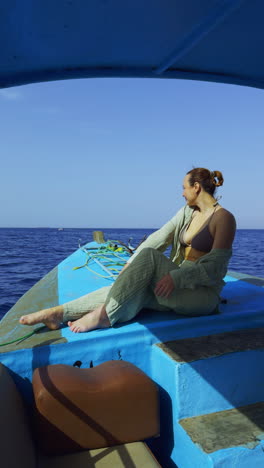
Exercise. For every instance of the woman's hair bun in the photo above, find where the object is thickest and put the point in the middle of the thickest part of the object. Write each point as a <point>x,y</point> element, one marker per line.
<point>217,178</point>
<point>207,179</point>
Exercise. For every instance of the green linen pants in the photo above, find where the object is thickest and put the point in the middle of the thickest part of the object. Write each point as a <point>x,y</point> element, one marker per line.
<point>133,290</point>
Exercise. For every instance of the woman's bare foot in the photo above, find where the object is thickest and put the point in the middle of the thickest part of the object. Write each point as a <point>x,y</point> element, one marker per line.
<point>96,319</point>
<point>52,317</point>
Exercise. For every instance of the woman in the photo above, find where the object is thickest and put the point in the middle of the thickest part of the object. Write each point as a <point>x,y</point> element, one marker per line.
<point>189,283</point>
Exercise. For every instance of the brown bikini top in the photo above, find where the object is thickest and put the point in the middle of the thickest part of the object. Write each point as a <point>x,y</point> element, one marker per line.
<point>203,240</point>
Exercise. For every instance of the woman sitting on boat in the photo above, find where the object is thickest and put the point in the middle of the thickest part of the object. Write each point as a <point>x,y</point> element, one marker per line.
<point>189,283</point>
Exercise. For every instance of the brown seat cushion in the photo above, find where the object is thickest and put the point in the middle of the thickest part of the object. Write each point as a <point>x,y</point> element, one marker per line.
<point>110,404</point>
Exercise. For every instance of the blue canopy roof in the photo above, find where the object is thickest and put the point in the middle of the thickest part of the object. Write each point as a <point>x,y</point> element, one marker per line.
<point>209,40</point>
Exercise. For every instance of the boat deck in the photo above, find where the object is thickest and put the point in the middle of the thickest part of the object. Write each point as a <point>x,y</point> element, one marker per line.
<point>207,368</point>
<point>244,309</point>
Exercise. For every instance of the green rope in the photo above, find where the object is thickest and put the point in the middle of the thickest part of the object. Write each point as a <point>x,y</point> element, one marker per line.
<point>23,337</point>
<point>99,274</point>
<point>103,254</point>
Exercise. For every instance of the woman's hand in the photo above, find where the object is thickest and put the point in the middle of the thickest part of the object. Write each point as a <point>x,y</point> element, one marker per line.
<point>165,286</point>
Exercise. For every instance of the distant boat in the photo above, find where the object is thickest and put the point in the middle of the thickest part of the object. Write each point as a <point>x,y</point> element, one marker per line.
<point>60,229</point>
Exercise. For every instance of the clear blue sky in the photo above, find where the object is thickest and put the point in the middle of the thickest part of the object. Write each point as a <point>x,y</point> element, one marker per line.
<point>113,153</point>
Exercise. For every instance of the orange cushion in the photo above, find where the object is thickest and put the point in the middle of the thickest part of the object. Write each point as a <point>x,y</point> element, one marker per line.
<point>110,404</point>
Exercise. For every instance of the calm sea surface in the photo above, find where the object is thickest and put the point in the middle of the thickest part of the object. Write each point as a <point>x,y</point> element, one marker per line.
<point>28,254</point>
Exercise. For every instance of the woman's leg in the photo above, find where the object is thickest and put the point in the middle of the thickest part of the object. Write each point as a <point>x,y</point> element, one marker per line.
<point>189,302</point>
<point>134,290</point>
<point>87,313</point>
<point>94,319</point>
<point>129,294</point>
<point>76,309</point>
<point>54,316</point>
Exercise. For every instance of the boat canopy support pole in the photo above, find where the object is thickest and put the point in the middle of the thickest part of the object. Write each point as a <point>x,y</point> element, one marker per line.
<point>191,39</point>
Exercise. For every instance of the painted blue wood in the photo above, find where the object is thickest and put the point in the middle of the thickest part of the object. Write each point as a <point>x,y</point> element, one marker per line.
<point>202,387</point>
<point>216,15</point>
<point>56,40</point>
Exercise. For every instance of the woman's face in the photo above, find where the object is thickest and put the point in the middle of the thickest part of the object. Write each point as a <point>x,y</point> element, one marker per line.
<point>189,193</point>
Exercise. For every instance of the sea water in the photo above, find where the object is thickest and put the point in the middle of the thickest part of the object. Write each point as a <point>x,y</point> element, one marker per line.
<point>26,254</point>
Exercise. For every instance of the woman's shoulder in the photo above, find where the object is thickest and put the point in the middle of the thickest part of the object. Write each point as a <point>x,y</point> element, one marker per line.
<point>223,212</point>
<point>225,216</point>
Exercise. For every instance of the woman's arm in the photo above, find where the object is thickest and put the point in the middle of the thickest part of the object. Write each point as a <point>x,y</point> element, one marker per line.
<point>163,237</point>
<point>223,229</point>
